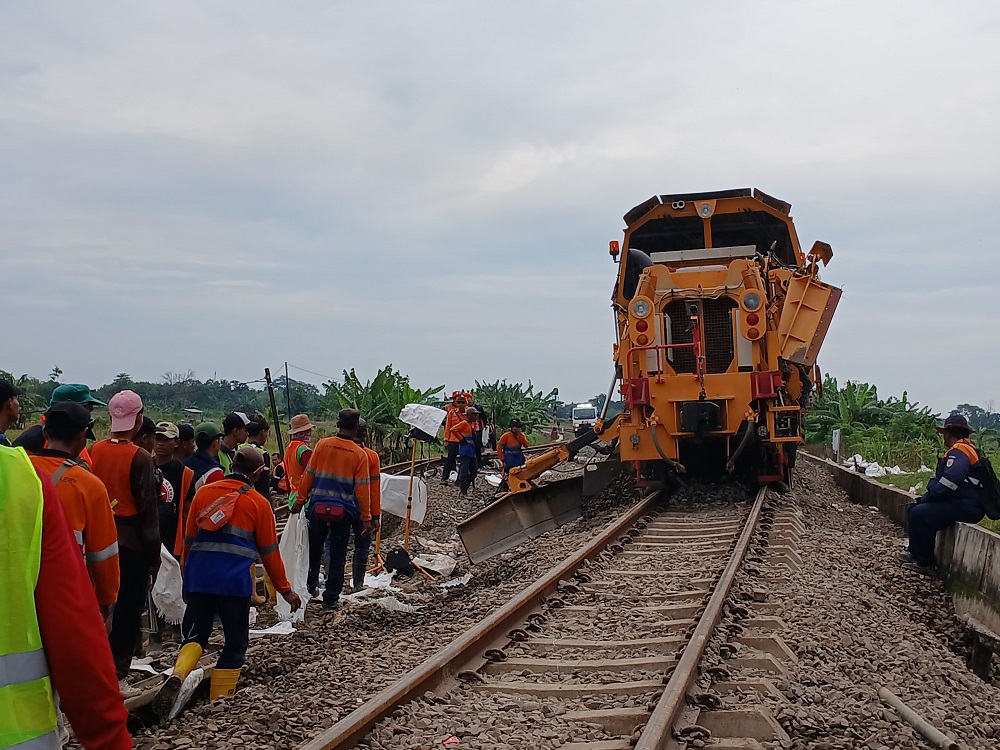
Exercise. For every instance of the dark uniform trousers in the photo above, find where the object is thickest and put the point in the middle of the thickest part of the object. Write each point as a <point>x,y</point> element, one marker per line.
<point>925,518</point>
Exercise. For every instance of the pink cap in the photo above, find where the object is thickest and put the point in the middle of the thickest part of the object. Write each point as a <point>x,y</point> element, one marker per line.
<point>123,407</point>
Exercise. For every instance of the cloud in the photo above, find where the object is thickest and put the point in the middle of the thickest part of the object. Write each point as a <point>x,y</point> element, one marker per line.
<point>434,184</point>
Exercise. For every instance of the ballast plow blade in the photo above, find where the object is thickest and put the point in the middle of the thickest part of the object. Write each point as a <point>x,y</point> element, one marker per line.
<point>517,517</point>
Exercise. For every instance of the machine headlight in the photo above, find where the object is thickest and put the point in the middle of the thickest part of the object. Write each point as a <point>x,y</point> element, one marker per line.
<point>641,308</point>
<point>751,301</point>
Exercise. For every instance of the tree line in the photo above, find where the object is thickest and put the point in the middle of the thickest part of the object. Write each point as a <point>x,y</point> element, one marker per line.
<point>893,431</point>
<point>182,397</point>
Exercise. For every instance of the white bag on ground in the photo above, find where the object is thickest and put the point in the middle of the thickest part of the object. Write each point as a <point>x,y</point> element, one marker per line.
<point>294,551</point>
<point>167,590</point>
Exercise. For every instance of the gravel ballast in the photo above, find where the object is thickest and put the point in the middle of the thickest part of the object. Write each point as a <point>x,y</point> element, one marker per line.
<point>299,685</point>
<point>857,620</point>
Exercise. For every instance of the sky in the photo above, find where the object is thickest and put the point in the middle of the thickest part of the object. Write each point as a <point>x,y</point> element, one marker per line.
<point>227,186</point>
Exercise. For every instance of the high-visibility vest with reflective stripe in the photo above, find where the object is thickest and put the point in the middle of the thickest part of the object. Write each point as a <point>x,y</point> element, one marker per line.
<point>27,706</point>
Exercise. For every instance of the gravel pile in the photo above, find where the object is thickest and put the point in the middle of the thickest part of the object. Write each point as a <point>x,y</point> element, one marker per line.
<point>293,687</point>
<point>857,620</point>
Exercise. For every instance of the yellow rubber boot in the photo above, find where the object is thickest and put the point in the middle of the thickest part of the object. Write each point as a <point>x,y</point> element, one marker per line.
<point>223,683</point>
<point>187,660</point>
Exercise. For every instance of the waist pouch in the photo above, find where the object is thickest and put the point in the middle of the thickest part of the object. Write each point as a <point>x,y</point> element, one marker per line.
<point>217,514</point>
<point>328,512</point>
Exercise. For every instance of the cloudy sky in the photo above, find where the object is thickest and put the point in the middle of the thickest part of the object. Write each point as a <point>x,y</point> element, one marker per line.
<point>225,186</point>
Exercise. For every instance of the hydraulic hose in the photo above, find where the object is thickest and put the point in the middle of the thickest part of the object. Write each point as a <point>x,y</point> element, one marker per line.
<point>675,465</point>
<point>731,463</point>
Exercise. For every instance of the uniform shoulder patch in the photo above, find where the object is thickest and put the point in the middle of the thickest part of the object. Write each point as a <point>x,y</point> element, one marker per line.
<point>951,460</point>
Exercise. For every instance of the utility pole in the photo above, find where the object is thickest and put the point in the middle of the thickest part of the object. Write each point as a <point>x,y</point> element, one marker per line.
<point>288,396</point>
<point>274,410</point>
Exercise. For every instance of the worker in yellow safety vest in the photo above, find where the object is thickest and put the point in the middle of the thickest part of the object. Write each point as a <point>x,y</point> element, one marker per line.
<point>51,634</point>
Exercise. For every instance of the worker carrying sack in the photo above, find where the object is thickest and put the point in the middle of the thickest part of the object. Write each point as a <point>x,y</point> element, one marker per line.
<point>989,486</point>
<point>217,514</point>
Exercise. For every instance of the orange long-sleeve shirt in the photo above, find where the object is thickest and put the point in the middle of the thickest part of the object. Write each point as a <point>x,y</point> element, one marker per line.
<point>88,510</point>
<point>216,562</point>
<point>509,438</point>
<point>374,481</point>
<point>454,416</point>
<point>459,430</point>
<point>338,473</point>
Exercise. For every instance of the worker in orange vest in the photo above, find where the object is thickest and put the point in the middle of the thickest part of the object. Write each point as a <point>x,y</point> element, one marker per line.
<point>84,497</point>
<point>463,435</point>
<point>229,525</point>
<point>297,455</point>
<point>455,413</point>
<point>128,473</point>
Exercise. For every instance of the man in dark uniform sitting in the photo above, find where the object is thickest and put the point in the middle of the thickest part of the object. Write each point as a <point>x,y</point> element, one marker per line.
<point>952,495</point>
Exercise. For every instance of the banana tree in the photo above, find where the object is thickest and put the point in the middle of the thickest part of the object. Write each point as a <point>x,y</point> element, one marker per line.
<point>379,400</point>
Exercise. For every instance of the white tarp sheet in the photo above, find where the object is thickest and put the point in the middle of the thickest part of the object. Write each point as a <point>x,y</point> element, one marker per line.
<point>394,491</point>
<point>425,418</point>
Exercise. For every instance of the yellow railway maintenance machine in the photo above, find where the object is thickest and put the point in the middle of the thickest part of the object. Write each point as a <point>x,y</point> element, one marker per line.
<point>720,318</point>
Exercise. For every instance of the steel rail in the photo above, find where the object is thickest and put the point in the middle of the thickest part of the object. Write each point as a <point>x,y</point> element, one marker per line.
<point>447,662</point>
<point>657,732</point>
<point>424,463</point>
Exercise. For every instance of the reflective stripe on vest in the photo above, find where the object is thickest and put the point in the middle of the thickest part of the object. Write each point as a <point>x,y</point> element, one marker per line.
<point>27,706</point>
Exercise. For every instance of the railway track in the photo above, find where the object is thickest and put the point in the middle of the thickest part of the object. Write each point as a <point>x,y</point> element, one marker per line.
<point>603,652</point>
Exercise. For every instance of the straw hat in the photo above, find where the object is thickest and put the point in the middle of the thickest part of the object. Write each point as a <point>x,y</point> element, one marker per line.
<point>300,423</point>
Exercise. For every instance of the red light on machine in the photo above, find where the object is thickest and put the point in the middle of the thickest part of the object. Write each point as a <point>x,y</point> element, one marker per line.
<point>613,248</point>
<point>641,325</point>
<point>753,319</point>
<point>642,339</point>
<point>753,333</point>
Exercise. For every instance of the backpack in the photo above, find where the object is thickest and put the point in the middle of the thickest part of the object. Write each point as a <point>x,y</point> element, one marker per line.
<point>218,513</point>
<point>989,486</point>
<point>399,560</point>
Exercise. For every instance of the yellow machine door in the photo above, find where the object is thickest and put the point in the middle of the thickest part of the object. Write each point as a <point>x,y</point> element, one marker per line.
<point>805,318</point>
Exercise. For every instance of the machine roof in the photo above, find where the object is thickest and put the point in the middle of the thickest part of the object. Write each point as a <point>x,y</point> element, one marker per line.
<point>643,208</point>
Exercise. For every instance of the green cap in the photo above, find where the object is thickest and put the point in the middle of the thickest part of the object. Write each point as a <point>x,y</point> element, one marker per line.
<point>207,429</point>
<point>78,393</point>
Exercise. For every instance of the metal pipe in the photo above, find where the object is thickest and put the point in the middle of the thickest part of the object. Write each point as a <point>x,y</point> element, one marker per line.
<point>930,733</point>
<point>657,732</point>
<point>607,398</point>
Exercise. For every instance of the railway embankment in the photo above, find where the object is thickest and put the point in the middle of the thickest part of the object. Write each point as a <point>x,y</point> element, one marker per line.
<point>968,556</point>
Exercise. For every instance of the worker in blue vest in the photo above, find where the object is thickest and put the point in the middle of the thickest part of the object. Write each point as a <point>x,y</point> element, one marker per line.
<point>952,495</point>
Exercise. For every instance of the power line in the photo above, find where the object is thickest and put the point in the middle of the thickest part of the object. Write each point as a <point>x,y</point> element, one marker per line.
<point>317,374</point>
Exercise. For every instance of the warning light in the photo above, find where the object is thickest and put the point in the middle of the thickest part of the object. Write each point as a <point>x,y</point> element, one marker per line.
<point>753,333</point>
<point>753,319</point>
<point>613,248</point>
<point>642,340</point>
<point>641,325</point>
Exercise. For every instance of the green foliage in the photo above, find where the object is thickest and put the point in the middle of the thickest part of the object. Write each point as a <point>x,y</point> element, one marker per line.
<point>980,419</point>
<point>893,432</point>
<point>379,400</point>
<point>505,401</point>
